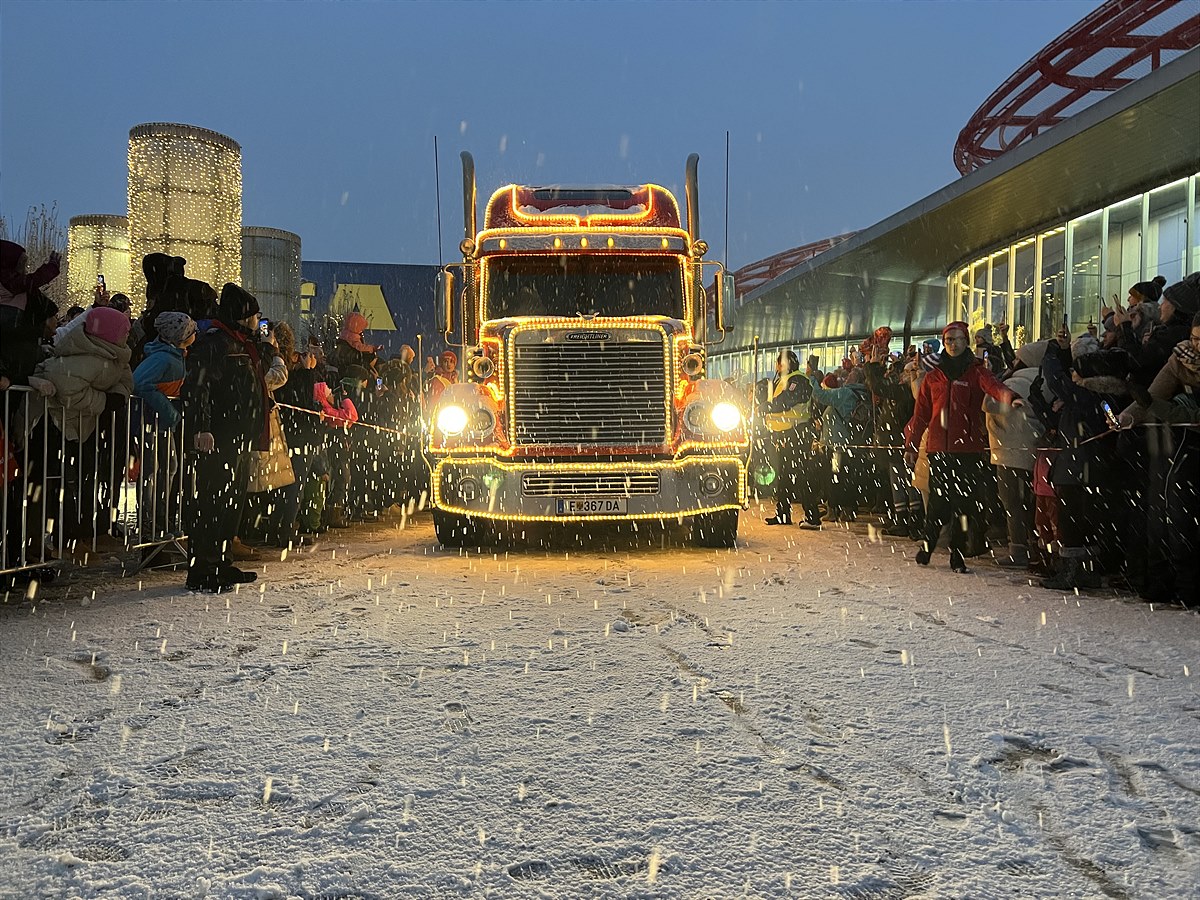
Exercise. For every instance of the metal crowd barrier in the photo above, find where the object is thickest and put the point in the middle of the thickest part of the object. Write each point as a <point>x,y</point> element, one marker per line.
<point>119,489</point>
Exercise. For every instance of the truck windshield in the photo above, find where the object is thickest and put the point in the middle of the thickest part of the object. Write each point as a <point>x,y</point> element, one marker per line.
<point>584,286</point>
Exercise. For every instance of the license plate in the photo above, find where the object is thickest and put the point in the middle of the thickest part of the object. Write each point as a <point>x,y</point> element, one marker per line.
<point>584,506</point>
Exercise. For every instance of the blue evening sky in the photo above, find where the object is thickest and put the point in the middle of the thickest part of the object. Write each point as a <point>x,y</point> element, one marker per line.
<point>840,113</point>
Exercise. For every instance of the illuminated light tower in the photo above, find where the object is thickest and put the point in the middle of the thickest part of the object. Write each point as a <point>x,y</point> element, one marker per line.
<point>97,245</point>
<point>185,199</point>
<point>271,272</point>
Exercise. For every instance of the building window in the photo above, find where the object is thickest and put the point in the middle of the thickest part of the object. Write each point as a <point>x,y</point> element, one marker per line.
<point>1052,281</point>
<point>1166,233</point>
<point>1024,281</point>
<point>1083,289</point>
<point>1124,257</point>
<point>997,308</point>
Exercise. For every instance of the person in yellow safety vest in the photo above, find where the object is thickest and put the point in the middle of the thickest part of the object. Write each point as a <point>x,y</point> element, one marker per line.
<point>788,409</point>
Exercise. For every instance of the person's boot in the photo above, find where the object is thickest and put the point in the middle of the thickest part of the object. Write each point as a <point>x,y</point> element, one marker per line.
<point>230,575</point>
<point>1065,577</point>
<point>203,580</point>
<point>916,526</point>
<point>958,564</point>
<point>811,522</point>
<point>924,555</point>
<point>1087,577</point>
<point>337,518</point>
<point>901,526</point>
<point>783,515</point>
<point>1018,558</point>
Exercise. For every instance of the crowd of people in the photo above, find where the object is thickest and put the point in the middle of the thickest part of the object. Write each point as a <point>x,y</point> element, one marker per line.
<point>198,398</point>
<point>1086,447</point>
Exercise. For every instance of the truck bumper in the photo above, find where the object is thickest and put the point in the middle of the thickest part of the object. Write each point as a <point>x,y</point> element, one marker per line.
<point>533,491</point>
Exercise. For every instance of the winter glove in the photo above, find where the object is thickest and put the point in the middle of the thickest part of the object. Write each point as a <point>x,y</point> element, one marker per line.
<point>114,402</point>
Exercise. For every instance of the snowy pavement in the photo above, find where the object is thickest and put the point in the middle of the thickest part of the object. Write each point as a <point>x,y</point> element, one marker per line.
<point>810,715</point>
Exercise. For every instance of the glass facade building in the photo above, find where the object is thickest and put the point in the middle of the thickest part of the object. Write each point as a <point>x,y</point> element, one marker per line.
<point>1068,271</point>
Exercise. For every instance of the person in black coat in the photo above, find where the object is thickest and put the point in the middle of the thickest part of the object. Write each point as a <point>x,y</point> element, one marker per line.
<point>226,413</point>
<point>895,403</point>
<point>1179,303</point>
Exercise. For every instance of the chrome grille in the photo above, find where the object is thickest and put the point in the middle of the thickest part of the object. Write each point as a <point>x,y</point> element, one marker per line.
<point>590,393</point>
<point>590,484</point>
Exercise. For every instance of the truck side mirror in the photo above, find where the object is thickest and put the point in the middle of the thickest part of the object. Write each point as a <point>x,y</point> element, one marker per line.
<point>445,302</point>
<point>725,295</point>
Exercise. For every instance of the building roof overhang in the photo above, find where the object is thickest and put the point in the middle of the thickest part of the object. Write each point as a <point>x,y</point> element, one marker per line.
<point>1143,135</point>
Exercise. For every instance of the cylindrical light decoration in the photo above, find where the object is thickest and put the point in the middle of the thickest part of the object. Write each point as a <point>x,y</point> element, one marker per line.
<point>185,199</point>
<point>97,245</point>
<point>271,272</point>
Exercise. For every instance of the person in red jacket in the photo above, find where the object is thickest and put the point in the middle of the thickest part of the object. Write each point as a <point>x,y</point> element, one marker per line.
<point>950,407</point>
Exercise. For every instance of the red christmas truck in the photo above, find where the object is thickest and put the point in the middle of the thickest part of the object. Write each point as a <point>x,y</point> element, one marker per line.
<point>582,396</point>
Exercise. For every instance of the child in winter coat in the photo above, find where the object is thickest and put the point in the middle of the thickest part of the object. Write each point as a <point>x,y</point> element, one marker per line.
<point>157,381</point>
<point>159,376</point>
<point>341,416</point>
<point>88,382</point>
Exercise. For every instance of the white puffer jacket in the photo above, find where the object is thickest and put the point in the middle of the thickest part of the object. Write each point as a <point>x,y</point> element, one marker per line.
<point>1014,432</point>
<point>83,370</point>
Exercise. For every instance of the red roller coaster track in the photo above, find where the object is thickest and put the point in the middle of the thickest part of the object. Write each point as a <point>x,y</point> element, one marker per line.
<point>1113,46</point>
<point>758,273</point>
<point>1116,44</point>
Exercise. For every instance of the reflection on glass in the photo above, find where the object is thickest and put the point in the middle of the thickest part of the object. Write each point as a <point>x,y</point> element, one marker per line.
<point>1024,279</point>
<point>1166,237</point>
<point>1053,279</point>
<point>1124,259</point>
<point>1085,272</point>
<point>997,308</point>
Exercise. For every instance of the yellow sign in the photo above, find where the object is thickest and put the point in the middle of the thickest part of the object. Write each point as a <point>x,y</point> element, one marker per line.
<point>366,299</point>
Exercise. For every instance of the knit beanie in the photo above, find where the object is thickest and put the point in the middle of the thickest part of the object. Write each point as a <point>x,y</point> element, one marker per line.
<point>960,326</point>
<point>1083,345</point>
<point>1032,354</point>
<point>1148,290</point>
<point>107,324</point>
<point>236,303</point>
<point>1185,295</point>
<point>174,327</point>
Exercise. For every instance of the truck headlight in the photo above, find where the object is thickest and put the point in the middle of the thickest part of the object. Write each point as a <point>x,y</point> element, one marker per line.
<point>726,416</point>
<point>451,419</point>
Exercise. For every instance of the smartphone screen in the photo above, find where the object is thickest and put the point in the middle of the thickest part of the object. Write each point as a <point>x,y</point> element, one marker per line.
<point>1109,414</point>
<point>264,327</point>
<point>378,383</point>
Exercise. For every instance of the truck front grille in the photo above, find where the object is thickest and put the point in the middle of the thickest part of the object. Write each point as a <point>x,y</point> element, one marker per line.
<point>590,393</point>
<point>588,484</point>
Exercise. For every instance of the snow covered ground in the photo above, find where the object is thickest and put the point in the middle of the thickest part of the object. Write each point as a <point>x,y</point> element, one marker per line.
<point>811,715</point>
